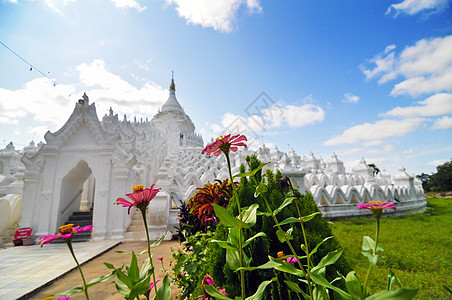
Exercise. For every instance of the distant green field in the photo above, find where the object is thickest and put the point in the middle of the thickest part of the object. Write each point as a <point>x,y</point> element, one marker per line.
<point>418,248</point>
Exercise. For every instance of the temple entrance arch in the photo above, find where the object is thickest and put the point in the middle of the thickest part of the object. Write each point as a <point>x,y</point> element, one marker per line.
<point>76,192</point>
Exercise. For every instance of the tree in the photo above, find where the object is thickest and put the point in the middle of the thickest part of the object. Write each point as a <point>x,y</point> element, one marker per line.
<point>376,170</point>
<point>441,181</point>
<point>425,181</point>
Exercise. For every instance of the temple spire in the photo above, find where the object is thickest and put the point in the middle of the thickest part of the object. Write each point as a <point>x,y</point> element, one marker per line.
<point>172,86</point>
<point>172,104</point>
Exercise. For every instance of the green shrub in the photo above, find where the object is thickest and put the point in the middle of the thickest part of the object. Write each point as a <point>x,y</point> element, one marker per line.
<point>317,230</point>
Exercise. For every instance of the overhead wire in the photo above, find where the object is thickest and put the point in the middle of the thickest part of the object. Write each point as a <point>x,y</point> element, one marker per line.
<point>32,67</point>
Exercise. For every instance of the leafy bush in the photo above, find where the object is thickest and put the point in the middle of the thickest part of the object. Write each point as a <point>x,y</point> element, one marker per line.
<point>187,262</point>
<point>259,250</point>
<point>189,224</point>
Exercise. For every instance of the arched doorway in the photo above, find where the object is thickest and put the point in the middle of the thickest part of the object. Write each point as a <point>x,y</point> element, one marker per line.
<point>77,192</point>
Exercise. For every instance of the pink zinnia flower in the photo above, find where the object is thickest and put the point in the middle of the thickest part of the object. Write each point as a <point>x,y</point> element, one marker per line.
<point>66,231</point>
<point>151,284</point>
<point>291,260</point>
<point>225,144</point>
<point>140,197</point>
<point>160,258</point>
<point>208,280</point>
<point>376,207</point>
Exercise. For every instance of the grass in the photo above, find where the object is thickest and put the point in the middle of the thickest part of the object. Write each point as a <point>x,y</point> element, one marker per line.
<point>418,248</point>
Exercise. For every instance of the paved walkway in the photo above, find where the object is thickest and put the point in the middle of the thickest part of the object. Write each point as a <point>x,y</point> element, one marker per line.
<point>26,268</point>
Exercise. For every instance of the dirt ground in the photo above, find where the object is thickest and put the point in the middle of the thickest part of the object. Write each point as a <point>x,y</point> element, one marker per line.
<point>96,268</point>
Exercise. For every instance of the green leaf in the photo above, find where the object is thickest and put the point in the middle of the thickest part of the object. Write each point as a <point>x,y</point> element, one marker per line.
<point>225,245</point>
<point>232,256</point>
<point>227,218</point>
<point>109,266</point>
<point>122,289</point>
<point>280,265</point>
<point>164,292</point>
<point>328,259</point>
<point>373,259</point>
<point>391,279</point>
<point>260,189</point>
<point>212,291</point>
<point>124,278</point>
<point>320,293</point>
<point>140,287</point>
<point>313,251</point>
<point>286,202</point>
<point>134,271</point>
<point>353,285</point>
<point>399,294</point>
<point>159,241</point>
<point>369,244</point>
<point>252,172</point>
<point>293,286</point>
<point>263,213</point>
<point>309,217</point>
<point>284,236</point>
<point>249,216</point>
<point>320,280</point>
<point>101,279</point>
<point>252,238</point>
<point>260,290</point>
<point>289,220</point>
<point>72,291</point>
<point>145,268</point>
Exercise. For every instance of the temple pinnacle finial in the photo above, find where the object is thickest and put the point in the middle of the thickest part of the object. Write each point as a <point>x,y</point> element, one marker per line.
<point>172,86</point>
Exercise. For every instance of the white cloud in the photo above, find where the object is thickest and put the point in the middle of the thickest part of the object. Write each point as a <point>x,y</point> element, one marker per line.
<point>426,67</point>
<point>378,130</point>
<point>350,98</point>
<point>443,123</point>
<point>409,151</point>
<point>273,117</point>
<point>52,105</point>
<point>294,116</point>
<point>57,5</point>
<point>218,14</point>
<point>436,105</point>
<point>412,7</point>
<point>373,143</point>
<point>128,4</point>
<point>436,162</point>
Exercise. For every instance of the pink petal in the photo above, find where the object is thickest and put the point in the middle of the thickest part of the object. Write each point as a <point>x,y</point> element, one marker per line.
<point>45,239</point>
<point>123,202</point>
<point>86,228</point>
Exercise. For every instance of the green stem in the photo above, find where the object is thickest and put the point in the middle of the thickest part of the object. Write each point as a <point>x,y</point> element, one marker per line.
<point>143,213</point>
<point>236,196</point>
<point>302,227</point>
<point>291,247</point>
<point>374,252</point>
<point>69,244</point>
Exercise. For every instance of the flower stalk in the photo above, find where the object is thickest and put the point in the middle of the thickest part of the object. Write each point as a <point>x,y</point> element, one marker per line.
<point>69,245</point>
<point>143,214</point>
<point>374,252</point>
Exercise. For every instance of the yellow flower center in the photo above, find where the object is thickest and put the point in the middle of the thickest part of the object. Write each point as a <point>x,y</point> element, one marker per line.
<point>138,188</point>
<point>280,254</point>
<point>220,137</point>
<point>66,229</point>
<point>374,202</point>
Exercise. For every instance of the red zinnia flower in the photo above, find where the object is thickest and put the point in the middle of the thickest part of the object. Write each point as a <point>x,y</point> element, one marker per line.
<point>66,231</point>
<point>225,144</point>
<point>376,207</point>
<point>140,196</point>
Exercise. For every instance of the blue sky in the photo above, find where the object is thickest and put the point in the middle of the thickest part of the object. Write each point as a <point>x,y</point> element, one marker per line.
<point>368,79</point>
